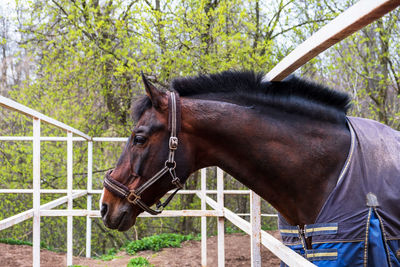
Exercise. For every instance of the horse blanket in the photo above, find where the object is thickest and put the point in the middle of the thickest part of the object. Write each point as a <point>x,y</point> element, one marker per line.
<point>359,224</point>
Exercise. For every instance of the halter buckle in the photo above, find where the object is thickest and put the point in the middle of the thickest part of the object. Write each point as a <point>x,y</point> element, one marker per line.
<point>173,142</point>
<point>132,197</point>
<point>177,182</point>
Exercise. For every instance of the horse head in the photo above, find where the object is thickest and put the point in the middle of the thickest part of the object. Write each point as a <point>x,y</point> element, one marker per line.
<point>154,161</point>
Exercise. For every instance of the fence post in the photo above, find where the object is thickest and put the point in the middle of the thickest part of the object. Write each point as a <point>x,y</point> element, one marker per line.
<point>69,194</point>
<point>203,218</point>
<point>255,221</point>
<point>89,200</point>
<point>221,220</point>
<point>36,193</point>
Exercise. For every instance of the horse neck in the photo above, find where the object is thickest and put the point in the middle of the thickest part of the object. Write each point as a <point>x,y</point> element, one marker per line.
<point>293,163</point>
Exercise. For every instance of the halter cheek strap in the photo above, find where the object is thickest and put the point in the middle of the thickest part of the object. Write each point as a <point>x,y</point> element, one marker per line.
<point>134,196</point>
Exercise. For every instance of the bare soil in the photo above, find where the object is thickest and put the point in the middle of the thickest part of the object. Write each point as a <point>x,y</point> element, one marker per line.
<point>237,253</point>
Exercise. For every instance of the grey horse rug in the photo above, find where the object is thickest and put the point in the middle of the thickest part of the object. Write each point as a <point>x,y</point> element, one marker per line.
<point>359,224</point>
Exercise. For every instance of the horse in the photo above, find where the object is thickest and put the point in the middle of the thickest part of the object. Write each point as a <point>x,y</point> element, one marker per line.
<point>333,179</point>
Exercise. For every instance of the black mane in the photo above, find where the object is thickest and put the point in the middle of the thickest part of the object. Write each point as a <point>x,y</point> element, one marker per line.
<point>292,95</point>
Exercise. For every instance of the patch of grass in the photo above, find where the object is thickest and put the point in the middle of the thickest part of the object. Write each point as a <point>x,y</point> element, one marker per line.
<point>110,255</point>
<point>233,230</point>
<point>139,262</point>
<point>12,241</point>
<point>157,242</point>
<point>269,227</point>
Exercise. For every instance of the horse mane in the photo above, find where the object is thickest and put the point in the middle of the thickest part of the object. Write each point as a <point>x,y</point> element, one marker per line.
<point>293,95</point>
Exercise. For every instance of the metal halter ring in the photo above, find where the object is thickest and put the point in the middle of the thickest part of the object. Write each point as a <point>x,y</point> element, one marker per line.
<point>132,194</point>
<point>167,164</point>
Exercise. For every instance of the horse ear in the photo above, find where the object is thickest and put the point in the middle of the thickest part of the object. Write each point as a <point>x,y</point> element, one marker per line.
<point>157,97</point>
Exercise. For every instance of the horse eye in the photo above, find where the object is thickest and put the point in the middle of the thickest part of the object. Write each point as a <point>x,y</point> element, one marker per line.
<point>139,140</point>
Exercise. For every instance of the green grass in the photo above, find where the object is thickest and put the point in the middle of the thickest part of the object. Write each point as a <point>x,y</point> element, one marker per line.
<point>154,243</point>
<point>110,255</point>
<point>12,241</point>
<point>139,262</point>
<point>269,227</point>
<point>157,242</point>
<point>233,230</point>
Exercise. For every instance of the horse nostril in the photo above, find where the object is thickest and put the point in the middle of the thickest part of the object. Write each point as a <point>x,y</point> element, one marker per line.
<point>103,210</point>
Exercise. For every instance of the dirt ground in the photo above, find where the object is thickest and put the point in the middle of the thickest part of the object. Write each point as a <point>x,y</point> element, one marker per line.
<point>237,253</point>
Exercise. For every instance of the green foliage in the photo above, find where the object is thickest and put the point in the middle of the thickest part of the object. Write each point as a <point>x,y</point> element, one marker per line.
<point>157,242</point>
<point>365,65</point>
<point>110,255</point>
<point>232,230</point>
<point>269,227</point>
<point>139,262</point>
<point>12,241</point>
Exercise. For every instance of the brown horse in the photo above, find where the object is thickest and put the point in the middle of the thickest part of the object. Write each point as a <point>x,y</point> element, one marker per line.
<point>287,141</point>
<point>333,179</point>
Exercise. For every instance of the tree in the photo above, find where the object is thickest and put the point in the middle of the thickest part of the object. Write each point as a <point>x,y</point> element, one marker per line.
<point>366,64</point>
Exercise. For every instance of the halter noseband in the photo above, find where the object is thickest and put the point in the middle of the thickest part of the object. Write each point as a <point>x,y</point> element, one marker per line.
<point>134,196</point>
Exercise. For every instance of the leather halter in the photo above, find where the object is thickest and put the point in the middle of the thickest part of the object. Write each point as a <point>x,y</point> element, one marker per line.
<point>134,196</point>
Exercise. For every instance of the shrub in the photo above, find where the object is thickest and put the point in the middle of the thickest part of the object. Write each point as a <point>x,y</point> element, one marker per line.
<point>108,256</point>
<point>139,262</point>
<point>157,242</point>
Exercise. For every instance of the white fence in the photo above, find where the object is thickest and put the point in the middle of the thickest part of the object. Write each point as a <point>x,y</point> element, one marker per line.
<point>218,209</point>
<point>356,17</point>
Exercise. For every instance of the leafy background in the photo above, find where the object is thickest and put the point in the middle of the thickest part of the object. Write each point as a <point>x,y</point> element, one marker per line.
<point>79,62</point>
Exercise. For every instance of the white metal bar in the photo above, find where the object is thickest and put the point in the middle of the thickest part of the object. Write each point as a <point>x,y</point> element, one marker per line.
<point>69,194</point>
<point>64,191</point>
<point>42,138</point>
<point>42,191</point>
<point>110,139</point>
<point>68,213</point>
<point>226,192</point>
<point>175,213</point>
<point>221,220</point>
<point>62,139</point>
<point>11,104</point>
<point>89,200</point>
<point>57,138</point>
<point>202,195</point>
<point>165,213</point>
<point>62,200</point>
<point>20,217</point>
<point>36,193</point>
<point>356,17</point>
<point>287,255</point>
<point>16,138</point>
<point>262,215</point>
<point>186,213</point>
<point>255,236</point>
